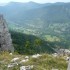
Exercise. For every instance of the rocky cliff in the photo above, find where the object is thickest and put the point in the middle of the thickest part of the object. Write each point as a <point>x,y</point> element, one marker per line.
<point>5,37</point>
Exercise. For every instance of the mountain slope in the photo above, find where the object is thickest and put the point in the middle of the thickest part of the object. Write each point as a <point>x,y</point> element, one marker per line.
<point>29,44</point>
<point>51,22</point>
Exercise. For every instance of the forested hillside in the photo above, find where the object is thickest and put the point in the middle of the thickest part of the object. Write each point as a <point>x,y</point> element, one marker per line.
<point>29,44</point>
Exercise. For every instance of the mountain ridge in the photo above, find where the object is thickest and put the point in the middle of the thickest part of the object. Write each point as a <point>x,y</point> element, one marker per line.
<point>44,20</point>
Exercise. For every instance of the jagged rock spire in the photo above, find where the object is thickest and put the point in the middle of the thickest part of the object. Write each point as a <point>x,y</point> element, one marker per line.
<point>5,37</point>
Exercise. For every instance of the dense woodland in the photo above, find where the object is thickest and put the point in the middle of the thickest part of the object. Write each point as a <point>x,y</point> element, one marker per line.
<point>29,44</point>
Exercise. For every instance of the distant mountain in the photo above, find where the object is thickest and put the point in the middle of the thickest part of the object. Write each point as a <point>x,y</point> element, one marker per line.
<point>49,21</point>
<point>3,4</point>
<point>28,5</point>
<point>24,11</point>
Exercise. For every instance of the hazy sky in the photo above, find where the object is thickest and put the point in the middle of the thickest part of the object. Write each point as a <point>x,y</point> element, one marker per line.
<point>39,1</point>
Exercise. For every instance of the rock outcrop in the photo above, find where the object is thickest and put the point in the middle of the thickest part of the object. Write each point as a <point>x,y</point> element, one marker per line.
<point>68,65</point>
<point>5,37</point>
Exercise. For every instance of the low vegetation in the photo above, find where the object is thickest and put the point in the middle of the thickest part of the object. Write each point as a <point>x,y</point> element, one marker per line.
<point>44,62</point>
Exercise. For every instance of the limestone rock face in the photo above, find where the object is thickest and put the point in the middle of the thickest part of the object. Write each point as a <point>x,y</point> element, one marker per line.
<point>5,37</point>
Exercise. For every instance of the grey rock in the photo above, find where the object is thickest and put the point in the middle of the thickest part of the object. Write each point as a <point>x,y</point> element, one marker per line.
<point>26,67</point>
<point>68,65</point>
<point>5,37</point>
